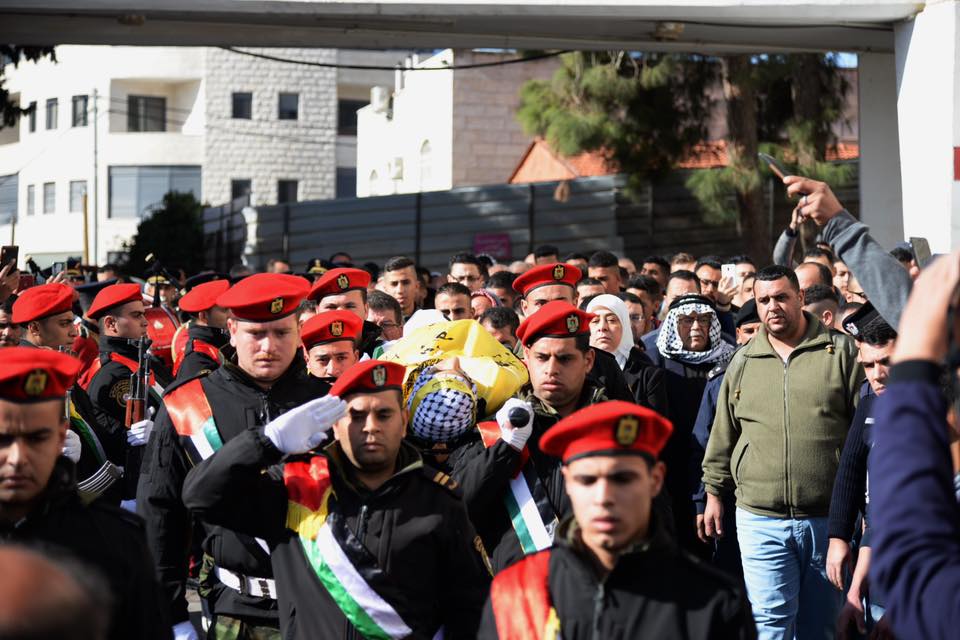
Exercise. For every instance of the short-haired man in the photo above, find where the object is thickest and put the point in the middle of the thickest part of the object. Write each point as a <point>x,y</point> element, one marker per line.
<point>811,273</point>
<point>466,269</point>
<point>502,323</point>
<point>384,311</point>
<point>39,502</point>
<point>345,289</point>
<point>206,333</point>
<point>267,378</point>
<point>638,316</point>
<point>784,409</point>
<point>683,262</point>
<point>546,254</point>
<point>656,267</point>
<point>46,314</point>
<point>650,292</point>
<point>364,539</point>
<point>9,330</point>
<point>627,265</point>
<point>589,288</point>
<point>330,343</point>
<point>605,267</point>
<point>501,284</point>
<point>823,303</point>
<point>745,267</point>
<point>453,301</point>
<point>399,279</point>
<point>276,265</point>
<point>579,260</point>
<point>614,571</point>
<point>820,256</point>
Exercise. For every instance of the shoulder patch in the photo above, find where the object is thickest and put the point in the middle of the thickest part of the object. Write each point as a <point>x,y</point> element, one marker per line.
<point>442,479</point>
<point>120,391</point>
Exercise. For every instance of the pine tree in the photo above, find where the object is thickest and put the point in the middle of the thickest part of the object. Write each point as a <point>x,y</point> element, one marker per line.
<point>13,54</point>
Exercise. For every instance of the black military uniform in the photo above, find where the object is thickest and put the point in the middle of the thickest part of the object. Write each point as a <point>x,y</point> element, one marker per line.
<point>109,540</point>
<point>369,338</point>
<point>654,591</point>
<point>102,452</point>
<point>238,404</point>
<point>413,527</point>
<point>202,345</point>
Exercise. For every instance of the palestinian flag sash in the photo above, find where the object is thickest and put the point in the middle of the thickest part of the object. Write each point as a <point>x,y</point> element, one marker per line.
<point>520,599</point>
<point>345,568</point>
<point>528,505</point>
<point>192,417</point>
<point>82,429</point>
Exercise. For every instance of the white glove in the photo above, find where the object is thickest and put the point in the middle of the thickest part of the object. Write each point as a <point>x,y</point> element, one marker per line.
<point>139,433</point>
<point>516,437</point>
<point>184,631</point>
<point>129,505</point>
<point>304,428</point>
<point>71,446</point>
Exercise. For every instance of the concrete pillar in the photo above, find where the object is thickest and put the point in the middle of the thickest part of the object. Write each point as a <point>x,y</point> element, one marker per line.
<point>881,198</point>
<point>928,109</point>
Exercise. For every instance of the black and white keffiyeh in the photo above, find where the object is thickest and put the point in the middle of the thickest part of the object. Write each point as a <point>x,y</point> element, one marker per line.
<point>442,405</point>
<point>671,346</point>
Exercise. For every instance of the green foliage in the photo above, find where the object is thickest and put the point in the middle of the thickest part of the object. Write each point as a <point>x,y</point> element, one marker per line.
<point>13,54</point>
<point>173,233</point>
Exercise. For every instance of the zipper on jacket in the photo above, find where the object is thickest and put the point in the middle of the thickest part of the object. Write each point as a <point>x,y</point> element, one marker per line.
<point>599,597</point>
<point>786,440</point>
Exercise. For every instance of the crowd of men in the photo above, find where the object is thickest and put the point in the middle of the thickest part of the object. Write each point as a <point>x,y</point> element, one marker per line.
<point>615,448</point>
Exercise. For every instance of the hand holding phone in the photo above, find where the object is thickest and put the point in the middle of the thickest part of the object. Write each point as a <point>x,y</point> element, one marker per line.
<point>9,254</point>
<point>729,270</point>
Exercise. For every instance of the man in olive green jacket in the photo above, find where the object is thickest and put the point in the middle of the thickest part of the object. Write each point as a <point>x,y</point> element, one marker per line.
<point>785,405</point>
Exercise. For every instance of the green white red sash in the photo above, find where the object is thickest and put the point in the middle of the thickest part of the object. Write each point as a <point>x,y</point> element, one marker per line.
<point>533,518</point>
<point>192,417</point>
<point>520,599</point>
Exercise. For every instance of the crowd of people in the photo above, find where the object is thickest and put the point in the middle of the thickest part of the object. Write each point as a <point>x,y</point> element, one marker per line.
<point>574,445</point>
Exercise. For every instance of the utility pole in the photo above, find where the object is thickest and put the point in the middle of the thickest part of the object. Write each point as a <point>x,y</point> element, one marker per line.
<point>96,171</point>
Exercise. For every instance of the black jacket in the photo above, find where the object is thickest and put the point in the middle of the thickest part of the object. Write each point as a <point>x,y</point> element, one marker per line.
<point>238,405</point>
<point>105,538</point>
<point>369,338</point>
<point>484,475</point>
<point>654,591</point>
<point>607,375</point>
<point>194,362</point>
<point>647,382</point>
<point>414,524</point>
<point>111,437</point>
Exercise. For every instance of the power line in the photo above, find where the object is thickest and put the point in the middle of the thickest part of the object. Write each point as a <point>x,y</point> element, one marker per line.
<point>374,67</point>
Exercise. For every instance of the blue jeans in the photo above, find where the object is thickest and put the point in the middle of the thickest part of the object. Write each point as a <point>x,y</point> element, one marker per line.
<point>784,568</point>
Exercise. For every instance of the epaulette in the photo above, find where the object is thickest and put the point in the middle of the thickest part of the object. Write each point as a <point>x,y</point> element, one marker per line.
<point>443,480</point>
<point>176,384</point>
<point>717,371</point>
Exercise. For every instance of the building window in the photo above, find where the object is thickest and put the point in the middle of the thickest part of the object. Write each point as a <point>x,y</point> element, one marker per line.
<point>8,198</point>
<point>79,111</point>
<point>288,107</point>
<point>136,191</point>
<point>77,189</point>
<point>243,106</point>
<point>240,188</point>
<point>286,191</point>
<point>52,113</point>
<point>31,200</point>
<point>146,113</point>
<point>346,182</point>
<point>347,116</point>
<point>49,197</point>
<point>32,117</point>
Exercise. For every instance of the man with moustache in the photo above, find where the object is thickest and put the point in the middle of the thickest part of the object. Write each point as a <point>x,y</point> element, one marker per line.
<point>264,379</point>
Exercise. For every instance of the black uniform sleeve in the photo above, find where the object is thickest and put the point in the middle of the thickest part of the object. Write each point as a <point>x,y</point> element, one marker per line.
<point>159,504</point>
<point>143,602</point>
<point>488,623</point>
<point>194,363</point>
<point>465,586</point>
<point>107,390</point>
<point>850,483</point>
<point>110,433</point>
<point>230,488</point>
<point>483,474</point>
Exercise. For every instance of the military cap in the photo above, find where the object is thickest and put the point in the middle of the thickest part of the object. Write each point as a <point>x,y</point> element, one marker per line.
<point>557,319</point>
<point>87,292</point>
<point>113,296</point>
<point>32,375</point>
<point>748,313</point>
<point>263,297</point>
<point>42,301</point>
<point>370,376</point>
<point>863,320</point>
<point>605,429</point>
<point>337,281</point>
<point>545,275</point>
<point>201,278</point>
<point>331,326</point>
<point>203,297</point>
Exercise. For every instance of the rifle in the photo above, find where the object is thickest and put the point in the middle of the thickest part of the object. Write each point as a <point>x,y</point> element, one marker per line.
<point>139,384</point>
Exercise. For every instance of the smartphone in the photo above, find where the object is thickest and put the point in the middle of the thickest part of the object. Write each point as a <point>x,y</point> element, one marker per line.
<point>26,281</point>
<point>729,271</point>
<point>57,268</point>
<point>8,254</point>
<point>921,251</point>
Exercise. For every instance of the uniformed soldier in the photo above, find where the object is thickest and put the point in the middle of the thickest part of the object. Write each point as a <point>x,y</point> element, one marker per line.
<point>86,346</point>
<point>330,343</point>
<point>513,490</point>
<point>346,289</point>
<point>206,331</point>
<point>118,310</point>
<point>613,571</point>
<point>265,378</point>
<point>94,444</point>
<point>366,541</point>
<point>39,504</point>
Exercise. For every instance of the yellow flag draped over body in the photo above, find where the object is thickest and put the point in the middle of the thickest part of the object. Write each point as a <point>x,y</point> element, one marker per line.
<point>497,373</point>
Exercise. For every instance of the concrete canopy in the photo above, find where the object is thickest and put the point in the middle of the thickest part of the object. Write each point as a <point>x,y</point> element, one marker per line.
<point>709,26</point>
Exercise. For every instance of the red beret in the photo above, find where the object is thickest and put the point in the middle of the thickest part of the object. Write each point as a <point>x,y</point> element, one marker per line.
<point>608,428</point>
<point>557,319</point>
<point>263,297</point>
<point>30,375</point>
<point>113,296</point>
<point>39,302</point>
<point>331,326</point>
<point>370,376</point>
<point>203,297</point>
<point>547,274</point>
<point>337,281</point>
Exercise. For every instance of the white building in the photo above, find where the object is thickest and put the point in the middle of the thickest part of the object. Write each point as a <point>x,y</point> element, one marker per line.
<point>201,119</point>
<point>437,130</point>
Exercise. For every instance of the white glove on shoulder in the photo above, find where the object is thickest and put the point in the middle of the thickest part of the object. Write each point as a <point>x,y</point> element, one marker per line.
<point>305,427</point>
<point>515,436</point>
<point>184,631</point>
<point>139,433</point>
<point>71,446</point>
